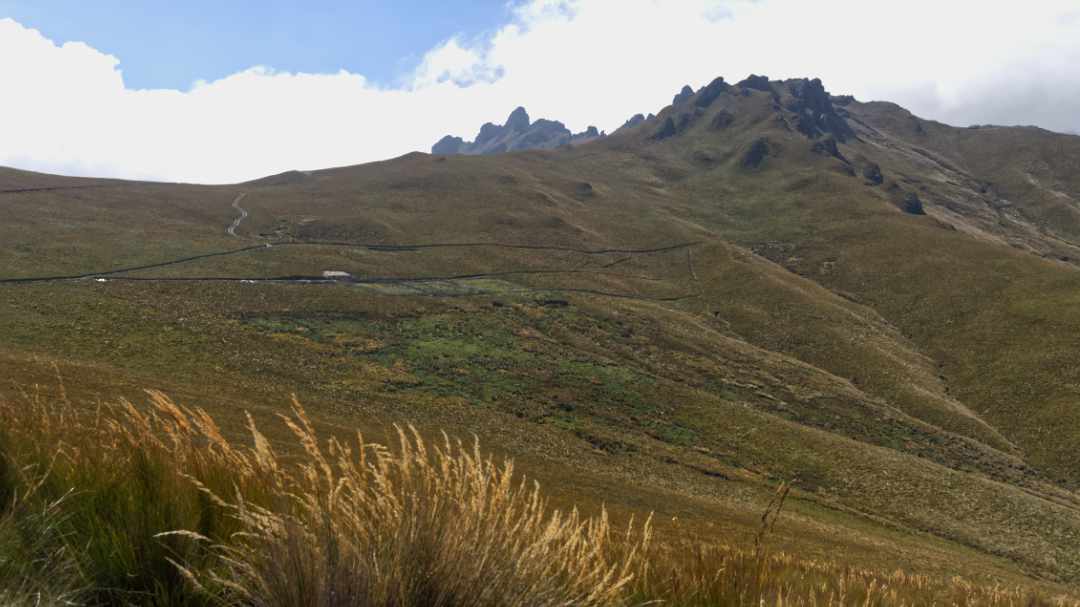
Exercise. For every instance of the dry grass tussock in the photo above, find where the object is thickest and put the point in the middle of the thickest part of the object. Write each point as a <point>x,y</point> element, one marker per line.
<point>118,504</point>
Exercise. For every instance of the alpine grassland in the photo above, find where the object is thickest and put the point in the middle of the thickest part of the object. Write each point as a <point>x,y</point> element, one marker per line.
<point>151,504</point>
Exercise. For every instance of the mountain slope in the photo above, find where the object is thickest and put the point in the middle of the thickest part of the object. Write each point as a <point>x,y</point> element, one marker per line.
<point>762,281</point>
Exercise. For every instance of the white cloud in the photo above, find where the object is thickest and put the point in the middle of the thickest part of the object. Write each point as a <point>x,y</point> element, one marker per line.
<point>65,108</point>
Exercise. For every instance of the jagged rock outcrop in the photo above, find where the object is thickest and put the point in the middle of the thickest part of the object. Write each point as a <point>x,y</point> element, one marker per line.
<point>801,105</point>
<point>517,133</point>
<point>757,83</point>
<point>633,121</point>
<point>872,174</point>
<point>685,94</point>
<point>518,120</point>
<point>710,92</point>
<point>756,154</point>
<point>448,145</point>
<point>667,129</point>
<point>912,204</point>
<point>814,111</point>
<point>589,134</point>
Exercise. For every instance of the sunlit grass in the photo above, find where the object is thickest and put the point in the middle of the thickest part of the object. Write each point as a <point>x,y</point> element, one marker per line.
<point>118,504</point>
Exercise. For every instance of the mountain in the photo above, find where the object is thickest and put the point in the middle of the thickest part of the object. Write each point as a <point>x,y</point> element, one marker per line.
<point>518,133</point>
<point>762,282</point>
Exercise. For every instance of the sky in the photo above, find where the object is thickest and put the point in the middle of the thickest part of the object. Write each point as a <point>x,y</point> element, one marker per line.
<point>220,92</point>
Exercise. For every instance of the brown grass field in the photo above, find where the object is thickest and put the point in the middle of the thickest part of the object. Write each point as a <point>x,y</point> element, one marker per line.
<point>119,504</point>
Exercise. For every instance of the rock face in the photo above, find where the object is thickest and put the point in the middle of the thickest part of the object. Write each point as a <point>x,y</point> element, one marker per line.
<point>633,121</point>
<point>912,204</point>
<point>756,154</point>
<point>757,83</point>
<point>814,111</point>
<point>800,105</point>
<point>667,129</point>
<point>587,135</point>
<point>684,94</point>
<point>448,145</point>
<point>517,133</point>
<point>518,120</point>
<point>710,92</point>
<point>872,174</point>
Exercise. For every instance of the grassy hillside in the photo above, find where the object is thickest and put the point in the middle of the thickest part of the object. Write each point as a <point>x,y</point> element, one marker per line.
<point>761,284</point>
<point>115,505</point>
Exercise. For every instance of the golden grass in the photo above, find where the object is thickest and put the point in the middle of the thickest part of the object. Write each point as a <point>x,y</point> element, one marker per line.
<point>363,525</point>
<point>156,506</point>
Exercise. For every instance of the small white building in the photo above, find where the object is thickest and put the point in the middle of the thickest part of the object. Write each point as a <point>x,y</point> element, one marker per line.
<point>336,275</point>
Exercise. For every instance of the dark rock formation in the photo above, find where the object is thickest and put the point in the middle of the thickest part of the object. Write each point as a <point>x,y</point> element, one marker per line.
<point>756,83</point>
<point>487,133</point>
<point>542,134</point>
<point>448,145</point>
<point>756,154</point>
<point>912,205</point>
<point>518,120</point>
<point>710,92</point>
<point>634,120</point>
<point>722,120</point>
<point>518,133</point>
<point>872,174</point>
<point>685,94</point>
<point>589,134</point>
<point>814,111</point>
<point>667,129</point>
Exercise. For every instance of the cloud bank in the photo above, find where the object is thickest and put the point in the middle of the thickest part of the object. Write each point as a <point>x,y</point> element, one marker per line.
<point>65,108</point>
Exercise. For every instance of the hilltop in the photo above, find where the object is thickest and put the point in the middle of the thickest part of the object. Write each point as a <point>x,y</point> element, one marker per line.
<point>761,282</point>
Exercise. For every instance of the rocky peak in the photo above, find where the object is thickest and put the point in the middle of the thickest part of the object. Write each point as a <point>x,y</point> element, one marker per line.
<point>685,94</point>
<point>710,92</point>
<point>518,120</point>
<point>633,121</point>
<point>518,133</point>
<point>757,83</point>
<point>488,132</point>
<point>815,113</point>
<point>448,145</point>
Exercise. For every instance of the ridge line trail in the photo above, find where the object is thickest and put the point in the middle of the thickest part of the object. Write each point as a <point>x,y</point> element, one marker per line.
<point>231,230</point>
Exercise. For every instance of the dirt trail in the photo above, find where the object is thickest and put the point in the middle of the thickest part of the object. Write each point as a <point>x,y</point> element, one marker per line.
<point>115,274</point>
<point>52,188</point>
<point>231,230</point>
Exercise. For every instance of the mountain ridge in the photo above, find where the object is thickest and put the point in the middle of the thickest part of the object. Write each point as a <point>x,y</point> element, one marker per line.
<point>516,134</point>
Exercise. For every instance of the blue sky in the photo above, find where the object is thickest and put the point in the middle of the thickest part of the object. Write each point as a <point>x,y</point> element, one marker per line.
<point>226,91</point>
<point>173,43</point>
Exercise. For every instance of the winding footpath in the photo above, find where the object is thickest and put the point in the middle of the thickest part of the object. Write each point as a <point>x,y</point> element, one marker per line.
<point>231,230</point>
<point>119,274</point>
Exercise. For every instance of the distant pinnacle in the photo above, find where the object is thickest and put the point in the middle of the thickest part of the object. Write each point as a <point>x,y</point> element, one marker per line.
<point>683,95</point>
<point>518,120</point>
